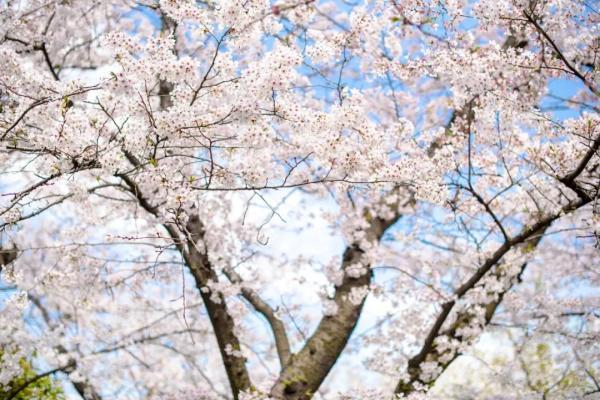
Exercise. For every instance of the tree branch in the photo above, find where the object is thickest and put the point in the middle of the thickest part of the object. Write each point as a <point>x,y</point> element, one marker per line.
<point>222,322</point>
<point>307,369</point>
<point>559,53</point>
<point>430,352</point>
<point>277,327</point>
<point>203,273</point>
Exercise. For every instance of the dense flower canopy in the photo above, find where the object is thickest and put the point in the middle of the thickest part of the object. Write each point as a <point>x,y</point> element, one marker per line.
<point>295,199</point>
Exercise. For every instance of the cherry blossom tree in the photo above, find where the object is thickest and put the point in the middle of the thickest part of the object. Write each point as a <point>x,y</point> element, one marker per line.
<point>294,199</point>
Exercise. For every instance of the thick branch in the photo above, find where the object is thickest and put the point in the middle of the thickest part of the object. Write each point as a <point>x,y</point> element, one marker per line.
<point>197,260</point>
<point>203,273</point>
<point>528,235</point>
<point>281,340</point>
<point>430,352</point>
<point>307,369</point>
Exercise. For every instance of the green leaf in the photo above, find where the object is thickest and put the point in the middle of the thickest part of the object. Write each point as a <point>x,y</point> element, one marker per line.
<point>41,389</point>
